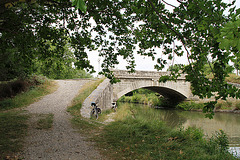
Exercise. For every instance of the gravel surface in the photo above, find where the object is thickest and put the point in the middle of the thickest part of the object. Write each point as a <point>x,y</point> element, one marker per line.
<point>61,142</point>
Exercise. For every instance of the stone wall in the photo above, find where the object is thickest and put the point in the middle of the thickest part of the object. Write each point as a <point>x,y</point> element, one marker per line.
<point>102,96</point>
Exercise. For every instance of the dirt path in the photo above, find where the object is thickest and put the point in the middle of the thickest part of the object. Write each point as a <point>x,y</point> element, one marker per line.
<point>61,142</point>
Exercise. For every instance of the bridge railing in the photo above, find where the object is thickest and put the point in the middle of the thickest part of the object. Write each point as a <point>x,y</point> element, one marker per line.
<point>142,74</point>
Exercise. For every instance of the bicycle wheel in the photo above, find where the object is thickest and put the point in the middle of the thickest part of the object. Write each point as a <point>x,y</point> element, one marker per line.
<point>91,113</point>
<point>99,110</point>
<point>94,114</point>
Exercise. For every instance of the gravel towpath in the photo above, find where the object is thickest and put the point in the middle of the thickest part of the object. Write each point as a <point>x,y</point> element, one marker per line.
<point>61,142</point>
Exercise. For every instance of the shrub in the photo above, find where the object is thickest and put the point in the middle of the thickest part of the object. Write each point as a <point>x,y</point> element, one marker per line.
<point>218,142</point>
<point>194,133</point>
<point>145,136</point>
<point>237,106</point>
<point>5,91</point>
<point>136,98</point>
<point>185,106</point>
<point>233,78</point>
<point>218,105</point>
<point>19,86</point>
<point>11,89</point>
<point>34,80</point>
<point>224,105</point>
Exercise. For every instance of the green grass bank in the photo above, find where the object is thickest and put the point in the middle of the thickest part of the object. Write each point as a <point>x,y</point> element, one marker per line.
<point>138,133</point>
<point>82,124</point>
<point>13,120</point>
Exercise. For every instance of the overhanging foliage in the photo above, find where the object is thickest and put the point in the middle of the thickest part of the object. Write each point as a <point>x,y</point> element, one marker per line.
<point>121,26</point>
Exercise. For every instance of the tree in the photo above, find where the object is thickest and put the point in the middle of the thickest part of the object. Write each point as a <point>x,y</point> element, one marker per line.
<point>122,26</point>
<point>229,39</point>
<point>237,65</point>
<point>27,30</point>
<point>56,67</point>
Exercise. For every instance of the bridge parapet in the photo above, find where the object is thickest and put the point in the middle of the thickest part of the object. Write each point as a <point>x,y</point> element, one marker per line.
<point>123,74</point>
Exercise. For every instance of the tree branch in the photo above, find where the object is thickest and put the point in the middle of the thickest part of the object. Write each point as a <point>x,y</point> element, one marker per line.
<point>171,28</point>
<point>169,4</point>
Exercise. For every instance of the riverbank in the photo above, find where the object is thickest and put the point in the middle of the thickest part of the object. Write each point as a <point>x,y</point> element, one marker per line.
<point>221,106</point>
<point>219,111</point>
<point>139,132</point>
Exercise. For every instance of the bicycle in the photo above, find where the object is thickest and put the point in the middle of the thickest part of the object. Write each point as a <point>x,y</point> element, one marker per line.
<point>95,110</point>
<point>114,106</point>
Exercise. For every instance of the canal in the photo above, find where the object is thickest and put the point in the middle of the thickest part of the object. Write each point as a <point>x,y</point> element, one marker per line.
<point>228,122</point>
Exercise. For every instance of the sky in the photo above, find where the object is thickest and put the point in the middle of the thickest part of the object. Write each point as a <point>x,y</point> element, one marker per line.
<point>142,62</point>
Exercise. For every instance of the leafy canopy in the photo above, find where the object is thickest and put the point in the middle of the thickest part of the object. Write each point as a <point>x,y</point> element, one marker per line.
<point>118,27</point>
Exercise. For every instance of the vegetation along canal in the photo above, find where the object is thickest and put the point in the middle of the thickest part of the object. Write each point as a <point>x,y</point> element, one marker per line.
<point>228,122</point>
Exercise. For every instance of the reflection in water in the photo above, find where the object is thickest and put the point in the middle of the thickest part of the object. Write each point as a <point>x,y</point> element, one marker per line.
<point>172,118</point>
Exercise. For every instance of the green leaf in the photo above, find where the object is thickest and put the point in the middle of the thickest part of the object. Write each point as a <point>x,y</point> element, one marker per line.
<point>80,4</point>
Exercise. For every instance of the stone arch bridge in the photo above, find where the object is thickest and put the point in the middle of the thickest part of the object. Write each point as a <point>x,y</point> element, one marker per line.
<point>175,90</point>
<point>107,93</point>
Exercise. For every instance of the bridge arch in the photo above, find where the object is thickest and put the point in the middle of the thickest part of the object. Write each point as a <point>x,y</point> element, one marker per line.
<point>175,90</point>
<point>164,91</point>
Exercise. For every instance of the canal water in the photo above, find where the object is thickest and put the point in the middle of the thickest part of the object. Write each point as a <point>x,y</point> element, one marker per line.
<point>228,122</point>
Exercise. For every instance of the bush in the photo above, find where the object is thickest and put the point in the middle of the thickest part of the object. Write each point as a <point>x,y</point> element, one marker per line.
<point>218,142</point>
<point>218,105</point>
<point>153,99</point>
<point>36,80</point>
<point>11,89</point>
<point>187,106</point>
<point>136,98</point>
<point>237,106</point>
<point>224,105</point>
<point>122,99</point>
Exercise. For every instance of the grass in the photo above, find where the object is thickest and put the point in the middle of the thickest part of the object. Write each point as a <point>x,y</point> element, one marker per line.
<point>13,124</point>
<point>27,98</point>
<point>13,129</point>
<point>105,115</point>
<point>45,122</point>
<point>138,133</point>
<point>82,124</point>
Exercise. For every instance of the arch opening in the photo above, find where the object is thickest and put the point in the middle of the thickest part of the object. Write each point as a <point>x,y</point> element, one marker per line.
<point>170,97</point>
<point>168,93</point>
